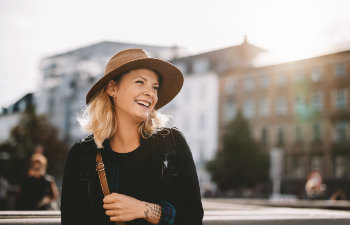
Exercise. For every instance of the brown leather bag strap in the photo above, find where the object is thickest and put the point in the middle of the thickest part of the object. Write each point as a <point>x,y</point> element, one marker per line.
<point>100,168</point>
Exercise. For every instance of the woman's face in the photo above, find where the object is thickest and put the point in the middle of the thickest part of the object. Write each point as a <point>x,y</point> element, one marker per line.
<point>136,93</point>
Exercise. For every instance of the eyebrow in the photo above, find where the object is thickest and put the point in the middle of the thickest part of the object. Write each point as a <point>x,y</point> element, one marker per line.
<point>146,79</point>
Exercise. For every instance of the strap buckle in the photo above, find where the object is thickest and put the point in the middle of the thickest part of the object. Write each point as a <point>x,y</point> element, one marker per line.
<point>100,167</point>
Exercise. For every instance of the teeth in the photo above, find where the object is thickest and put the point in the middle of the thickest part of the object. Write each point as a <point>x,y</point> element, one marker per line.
<point>144,103</point>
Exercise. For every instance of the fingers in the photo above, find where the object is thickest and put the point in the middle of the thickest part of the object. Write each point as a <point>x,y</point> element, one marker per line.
<point>113,213</point>
<point>111,198</point>
<point>111,206</point>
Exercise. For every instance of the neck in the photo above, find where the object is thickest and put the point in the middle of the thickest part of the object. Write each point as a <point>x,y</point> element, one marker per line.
<point>126,137</point>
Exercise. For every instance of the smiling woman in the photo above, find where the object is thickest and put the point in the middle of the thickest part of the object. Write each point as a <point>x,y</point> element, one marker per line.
<point>147,168</point>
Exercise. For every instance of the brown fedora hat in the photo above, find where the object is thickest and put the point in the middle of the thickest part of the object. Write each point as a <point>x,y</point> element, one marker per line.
<point>129,59</point>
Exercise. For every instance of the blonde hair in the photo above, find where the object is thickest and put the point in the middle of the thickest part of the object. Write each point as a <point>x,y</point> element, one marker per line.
<point>38,158</point>
<point>99,118</point>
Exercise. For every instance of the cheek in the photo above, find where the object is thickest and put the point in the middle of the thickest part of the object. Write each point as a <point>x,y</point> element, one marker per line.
<point>125,98</point>
<point>155,99</point>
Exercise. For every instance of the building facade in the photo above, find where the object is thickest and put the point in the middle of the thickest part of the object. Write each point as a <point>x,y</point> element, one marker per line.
<point>300,107</point>
<point>195,109</point>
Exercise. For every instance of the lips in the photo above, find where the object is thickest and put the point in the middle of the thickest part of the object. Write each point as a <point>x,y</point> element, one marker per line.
<point>143,103</point>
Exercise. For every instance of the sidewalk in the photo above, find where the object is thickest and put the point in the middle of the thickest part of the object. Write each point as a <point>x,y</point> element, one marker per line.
<point>227,212</point>
<point>243,212</point>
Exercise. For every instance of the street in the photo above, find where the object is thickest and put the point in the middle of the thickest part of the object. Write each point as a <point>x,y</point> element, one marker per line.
<point>216,211</point>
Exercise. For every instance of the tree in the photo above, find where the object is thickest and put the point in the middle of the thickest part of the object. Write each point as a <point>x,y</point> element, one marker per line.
<point>32,131</point>
<point>240,163</point>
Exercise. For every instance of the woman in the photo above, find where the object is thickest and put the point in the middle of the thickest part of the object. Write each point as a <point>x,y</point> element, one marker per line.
<point>148,184</point>
<point>39,190</point>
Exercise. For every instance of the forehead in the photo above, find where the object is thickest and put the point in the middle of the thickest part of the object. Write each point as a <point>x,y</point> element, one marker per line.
<point>145,73</point>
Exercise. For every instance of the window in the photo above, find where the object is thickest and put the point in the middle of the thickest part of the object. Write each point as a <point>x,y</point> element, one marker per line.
<point>299,102</point>
<point>230,85</point>
<point>263,106</point>
<point>22,105</point>
<point>91,79</point>
<point>341,100</point>
<point>249,83</point>
<point>248,109</point>
<point>298,166</point>
<point>317,101</point>
<point>182,67</point>
<point>340,165</point>
<point>282,79</point>
<point>264,81</point>
<point>230,111</point>
<point>316,132</point>
<point>280,136</point>
<point>264,136</point>
<point>316,74</point>
<point>200,66</point>
<point>316,163</point>
<point>281,105</point>
<point>298,134</point>
<point>299,76</point>
<point>340,69</point>
<point>341,131</point>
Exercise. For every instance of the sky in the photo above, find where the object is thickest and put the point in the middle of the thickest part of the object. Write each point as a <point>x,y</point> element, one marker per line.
<point>31,30</point>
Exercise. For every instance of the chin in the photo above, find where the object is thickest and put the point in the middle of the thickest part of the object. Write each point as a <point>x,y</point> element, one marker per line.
<point>142,117</point>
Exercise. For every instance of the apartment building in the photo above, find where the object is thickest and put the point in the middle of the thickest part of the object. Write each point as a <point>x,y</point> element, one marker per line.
<point>301,107</point>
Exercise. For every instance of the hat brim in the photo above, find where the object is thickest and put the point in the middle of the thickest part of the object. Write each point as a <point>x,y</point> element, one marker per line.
<point>171,77</point>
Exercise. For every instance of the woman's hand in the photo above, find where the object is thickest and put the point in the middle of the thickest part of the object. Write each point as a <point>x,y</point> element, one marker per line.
<point>121,207</point>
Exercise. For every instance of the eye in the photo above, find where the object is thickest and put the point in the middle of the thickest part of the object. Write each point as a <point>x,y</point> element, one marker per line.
<point>156,88</point>
<point>139,82</point>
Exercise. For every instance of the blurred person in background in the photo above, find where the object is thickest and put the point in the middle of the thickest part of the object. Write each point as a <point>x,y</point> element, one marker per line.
<point>3,192</point>
<point>39,190</point>
<point>314,186</point>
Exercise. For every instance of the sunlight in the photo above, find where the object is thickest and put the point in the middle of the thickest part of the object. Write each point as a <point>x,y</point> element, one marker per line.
<point>290,31</point>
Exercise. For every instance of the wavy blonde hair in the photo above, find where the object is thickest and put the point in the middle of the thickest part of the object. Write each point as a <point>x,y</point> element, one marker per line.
<point>99,118</point>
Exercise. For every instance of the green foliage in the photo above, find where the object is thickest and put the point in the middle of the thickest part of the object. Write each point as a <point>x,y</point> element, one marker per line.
<point>240,163</point>
<point>32,131</point>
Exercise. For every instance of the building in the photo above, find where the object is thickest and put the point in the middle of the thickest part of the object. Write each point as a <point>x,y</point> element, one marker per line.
<point>301,107</point>
<point>67,77</point>
<point>10,116</point>
<point>195,109</point>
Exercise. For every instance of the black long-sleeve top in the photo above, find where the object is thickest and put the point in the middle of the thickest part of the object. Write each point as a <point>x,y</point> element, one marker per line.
<point>81,201</point>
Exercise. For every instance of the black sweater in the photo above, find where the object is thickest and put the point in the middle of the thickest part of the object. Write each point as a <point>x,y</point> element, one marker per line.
<point>81,201</point>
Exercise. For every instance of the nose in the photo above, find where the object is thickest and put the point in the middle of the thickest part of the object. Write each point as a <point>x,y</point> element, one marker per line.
<point>149,91</point>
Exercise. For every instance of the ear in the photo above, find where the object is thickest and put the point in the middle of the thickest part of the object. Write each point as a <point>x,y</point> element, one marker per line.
<point>112,88</point>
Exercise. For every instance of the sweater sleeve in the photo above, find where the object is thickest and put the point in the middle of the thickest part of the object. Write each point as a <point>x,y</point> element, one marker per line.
<point>73,205</point>
<point>168,213</point>
<point>189,209</point>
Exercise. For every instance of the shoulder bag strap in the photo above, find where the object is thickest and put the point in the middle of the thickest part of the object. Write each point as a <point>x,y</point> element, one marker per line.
<point>100,168</point>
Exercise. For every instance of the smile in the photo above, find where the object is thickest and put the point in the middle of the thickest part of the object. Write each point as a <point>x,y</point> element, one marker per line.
<point>143,103</point>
